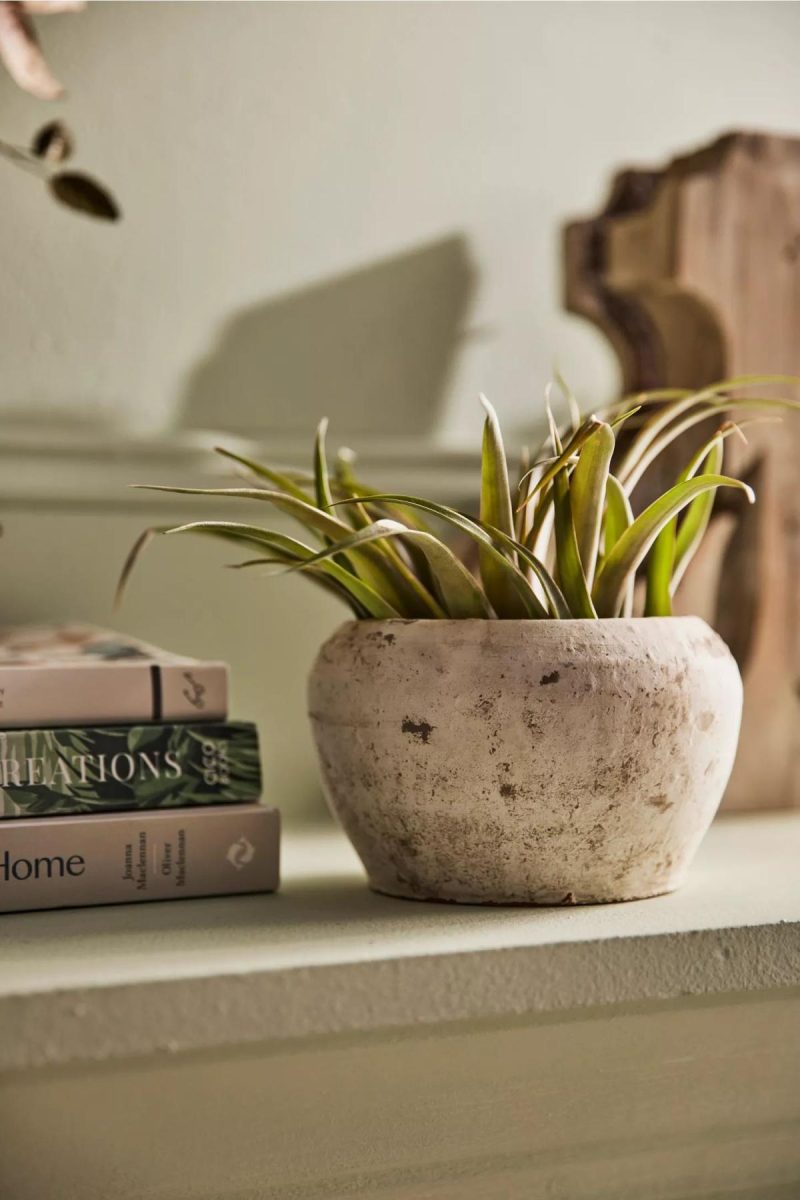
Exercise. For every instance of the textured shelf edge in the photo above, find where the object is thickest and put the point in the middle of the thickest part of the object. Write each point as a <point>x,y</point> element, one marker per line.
<point>103,1024</point>
<point>327,957</point>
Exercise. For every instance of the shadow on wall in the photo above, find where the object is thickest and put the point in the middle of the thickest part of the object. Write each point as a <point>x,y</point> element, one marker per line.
<point>372,349</point>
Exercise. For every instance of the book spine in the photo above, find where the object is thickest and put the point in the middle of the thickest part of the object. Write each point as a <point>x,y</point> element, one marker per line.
<point>114,859</point>
<point>112,693</point>
<point>63,771</point>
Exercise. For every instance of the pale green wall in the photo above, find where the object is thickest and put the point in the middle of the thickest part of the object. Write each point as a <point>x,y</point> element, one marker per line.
<point>264,150</point>
<point>341,208</point>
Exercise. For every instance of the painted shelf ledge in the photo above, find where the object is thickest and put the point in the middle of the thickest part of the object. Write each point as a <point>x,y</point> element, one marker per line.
<point>327,957</point>
<point>83,468</point>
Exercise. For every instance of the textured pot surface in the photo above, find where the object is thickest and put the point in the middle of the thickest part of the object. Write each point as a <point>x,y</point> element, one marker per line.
<point>543,762</point>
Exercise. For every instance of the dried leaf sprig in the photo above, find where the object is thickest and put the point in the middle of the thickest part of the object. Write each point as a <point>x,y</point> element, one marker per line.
<point>52,145</point>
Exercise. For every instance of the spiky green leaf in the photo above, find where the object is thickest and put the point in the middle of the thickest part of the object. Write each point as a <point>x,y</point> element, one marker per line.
<point>565,455</point>
<point>570,571</point>
<point>278,479</point>
<point>587,489</point>
<point>459,593</point>
<point>366,596</point>
<point>486,537</point>
<point>390,579</point>
<point>630,549</point>
<point>496,509</point>
<point>661,561</point>
<point>321,481</point>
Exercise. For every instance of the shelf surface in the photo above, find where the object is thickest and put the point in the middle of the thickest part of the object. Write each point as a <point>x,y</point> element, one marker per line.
<point>325,956</point>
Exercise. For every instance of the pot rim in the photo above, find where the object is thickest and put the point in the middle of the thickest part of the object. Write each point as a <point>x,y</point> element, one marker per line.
<point>548,622</point>
<point>602,631</point>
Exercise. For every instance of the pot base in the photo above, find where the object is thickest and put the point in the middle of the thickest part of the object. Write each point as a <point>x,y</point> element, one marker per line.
<point>569,900</point>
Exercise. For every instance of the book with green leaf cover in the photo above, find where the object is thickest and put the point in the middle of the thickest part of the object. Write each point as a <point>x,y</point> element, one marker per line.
<point>64,771</point>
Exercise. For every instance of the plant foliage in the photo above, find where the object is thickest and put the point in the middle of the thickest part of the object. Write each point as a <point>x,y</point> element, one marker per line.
<point>563,542</point>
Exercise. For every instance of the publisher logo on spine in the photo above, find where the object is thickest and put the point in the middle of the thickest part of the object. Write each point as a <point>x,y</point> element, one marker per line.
<point>240,853</point>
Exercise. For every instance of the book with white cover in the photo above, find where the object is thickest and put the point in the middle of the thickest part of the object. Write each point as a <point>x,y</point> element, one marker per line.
<point>81,675</point>
<point>67,862</point>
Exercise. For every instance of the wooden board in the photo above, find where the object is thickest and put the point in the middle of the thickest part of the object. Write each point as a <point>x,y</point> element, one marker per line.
<point>693,273</point>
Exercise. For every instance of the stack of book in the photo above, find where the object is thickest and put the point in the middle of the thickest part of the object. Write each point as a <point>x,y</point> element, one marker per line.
<point>121,777</point>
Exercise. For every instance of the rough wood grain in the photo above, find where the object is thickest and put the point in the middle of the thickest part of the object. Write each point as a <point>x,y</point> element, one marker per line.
<point>693,273</point>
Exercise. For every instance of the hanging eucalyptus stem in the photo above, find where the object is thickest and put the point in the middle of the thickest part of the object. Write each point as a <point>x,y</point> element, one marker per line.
<point>52,145</point>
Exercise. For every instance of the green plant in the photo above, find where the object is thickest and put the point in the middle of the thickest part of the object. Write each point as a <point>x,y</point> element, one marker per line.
<point>563,543</point>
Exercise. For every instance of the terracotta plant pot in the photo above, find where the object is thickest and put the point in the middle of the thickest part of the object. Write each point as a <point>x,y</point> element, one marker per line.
<point>526,762</point>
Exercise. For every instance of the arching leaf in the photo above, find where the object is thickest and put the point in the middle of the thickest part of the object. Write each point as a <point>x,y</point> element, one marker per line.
<point>621,563</point>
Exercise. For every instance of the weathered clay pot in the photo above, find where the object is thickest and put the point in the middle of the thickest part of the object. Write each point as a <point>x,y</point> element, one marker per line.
<point>526,762</point>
